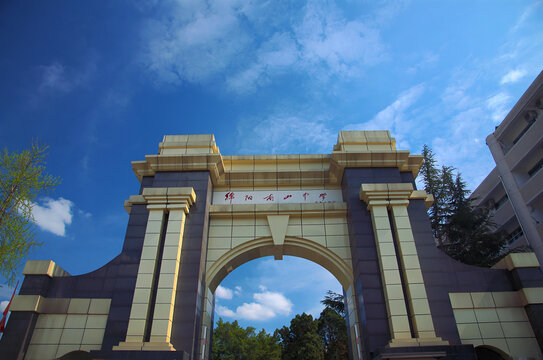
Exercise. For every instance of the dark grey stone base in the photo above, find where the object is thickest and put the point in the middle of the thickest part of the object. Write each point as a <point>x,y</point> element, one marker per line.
<point>464,352</point>
<point>140,355</point>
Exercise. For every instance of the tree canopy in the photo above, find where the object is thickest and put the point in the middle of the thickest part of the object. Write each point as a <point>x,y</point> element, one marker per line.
<point>301,341</point>
<point>333,333</point>
<point>334,301</point>
<point>22,179</point>
<point>464,232</point>
<point>232,342</point>
<point>324,338</point>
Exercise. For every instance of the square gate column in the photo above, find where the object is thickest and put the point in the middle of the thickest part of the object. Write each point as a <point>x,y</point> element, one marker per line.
<point>388,206</point>
<point>419,308</point>
<point>150,321</point>
<point>398,319</point>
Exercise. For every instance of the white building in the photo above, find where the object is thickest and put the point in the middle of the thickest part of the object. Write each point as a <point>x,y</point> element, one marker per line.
<point>514,188</point>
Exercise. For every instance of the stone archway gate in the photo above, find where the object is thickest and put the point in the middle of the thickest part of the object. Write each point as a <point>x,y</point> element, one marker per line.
<point>200,214</point>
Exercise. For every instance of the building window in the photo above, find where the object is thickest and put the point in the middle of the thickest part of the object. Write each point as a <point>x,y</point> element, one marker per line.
<point>500,202</point>
<point>536,168</point>
<point>515,235</point>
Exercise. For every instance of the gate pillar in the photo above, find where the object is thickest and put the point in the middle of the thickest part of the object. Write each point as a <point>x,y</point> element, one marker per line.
<point>151,314</point>
<point>409,315</point>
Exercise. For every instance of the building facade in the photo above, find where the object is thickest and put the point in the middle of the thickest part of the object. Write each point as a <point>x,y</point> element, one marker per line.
<point>514,188</point>
<point>356,211</point>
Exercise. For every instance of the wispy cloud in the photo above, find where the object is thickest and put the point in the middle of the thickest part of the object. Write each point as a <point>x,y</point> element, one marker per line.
<point>513,76</point>
<point>84,214</point>
<point>315,276</point>
<point>343,46</point>
<point>197,43</point>
<point>59,78</point>
<point>526,14</point>
<point>54,77</point>
<point>267,305</point>
<point>53,215</point>
<point>498,106</point>
<point>462,145</point>
<point>393,117</point>
<point>285,132</point>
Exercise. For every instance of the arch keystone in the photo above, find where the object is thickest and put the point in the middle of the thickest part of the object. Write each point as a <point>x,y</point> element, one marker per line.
<point>278,228</point>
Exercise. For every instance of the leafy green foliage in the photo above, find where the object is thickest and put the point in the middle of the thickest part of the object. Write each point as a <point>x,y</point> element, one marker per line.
<point>301,341</point>
<point>333,333</point>
<point>461,230</point>
<point>22,179</point>
<point>334,301</point>
<point>232,342</point>
<point>306,338</point>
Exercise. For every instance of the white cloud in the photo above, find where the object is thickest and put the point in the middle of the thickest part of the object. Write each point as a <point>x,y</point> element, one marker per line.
<point>237,290</point>
<point>267,305</point>
<point>223,293</point>
<point>3,305</point>
<point>224,311</point>
<point>393,117</point>
<point>326,37</point>
<point>196,42</point>
<point>54,215</point>
<point>254,311</point>
<point>262,287</point>
<point>497,104</point>
<point>513,76</point>
<point>277,302</point>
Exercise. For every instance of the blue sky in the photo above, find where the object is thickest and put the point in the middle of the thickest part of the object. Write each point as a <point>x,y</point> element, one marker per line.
<point>102,82</point>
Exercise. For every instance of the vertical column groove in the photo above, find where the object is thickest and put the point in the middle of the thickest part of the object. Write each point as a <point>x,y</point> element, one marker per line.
<point>387,204</point>
<point>156,278</point>
<point>402,275</point>
<point>151,314</point>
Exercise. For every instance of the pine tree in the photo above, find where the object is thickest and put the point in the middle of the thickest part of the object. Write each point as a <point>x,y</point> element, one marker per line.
<point>469,230</point>
<point>433,184</point>
<point>462,231</point>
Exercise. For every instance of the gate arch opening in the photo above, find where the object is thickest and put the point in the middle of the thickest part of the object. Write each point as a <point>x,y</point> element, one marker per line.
<point>487,352</point>
<point>293,246</point>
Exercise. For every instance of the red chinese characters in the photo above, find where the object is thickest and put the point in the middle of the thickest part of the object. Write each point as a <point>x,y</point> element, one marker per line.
<point>248,198</point>
<point>229,196</point>
<point>323,196</point>
<point>269,197</point>
<point>287,197</point>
